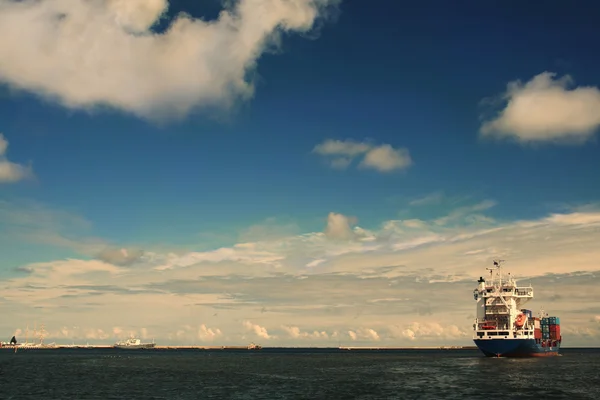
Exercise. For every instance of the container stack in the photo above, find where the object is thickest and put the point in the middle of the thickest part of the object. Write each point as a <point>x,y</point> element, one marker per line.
<point>554,327</point>
<point>545,328</point>
<point>550,328</point>
<point>537,329</point>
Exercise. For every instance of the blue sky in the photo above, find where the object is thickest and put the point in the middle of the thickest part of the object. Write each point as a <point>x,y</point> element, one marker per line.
<point>195,143</point>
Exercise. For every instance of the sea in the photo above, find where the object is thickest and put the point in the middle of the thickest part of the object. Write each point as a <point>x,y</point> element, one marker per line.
<point>273,373</point>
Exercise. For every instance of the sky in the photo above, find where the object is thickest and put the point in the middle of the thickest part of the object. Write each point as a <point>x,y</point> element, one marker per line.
<point>295,172</point>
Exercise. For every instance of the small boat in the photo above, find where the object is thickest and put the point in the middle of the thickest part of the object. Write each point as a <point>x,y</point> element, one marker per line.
<point>133,344</point>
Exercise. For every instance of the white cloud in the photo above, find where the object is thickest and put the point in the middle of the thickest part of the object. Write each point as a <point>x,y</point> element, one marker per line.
<point>428,331</point>
<point>348,148</point>
<point>96,53</point>
<point>367,334</point>
<point>383,158</point>
<point>258,330</point>
<point>467,211</point>
<point>339,226</point>
<point>310,287</point>
<point>9,171</point>
<point>295,332</point>
<point>77,334</point>
<point>269,229</point>
<point>31,222</point>
<point>432,198</point>
<point>545,109</point>
<point>120,256</point>
<point>208,334</point>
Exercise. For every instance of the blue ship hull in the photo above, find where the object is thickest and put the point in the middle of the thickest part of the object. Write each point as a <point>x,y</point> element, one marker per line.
<point>517,347</point>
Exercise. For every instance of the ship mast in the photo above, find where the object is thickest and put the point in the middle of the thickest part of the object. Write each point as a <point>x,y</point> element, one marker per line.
<point>496,280</point>
<point>42,331</point>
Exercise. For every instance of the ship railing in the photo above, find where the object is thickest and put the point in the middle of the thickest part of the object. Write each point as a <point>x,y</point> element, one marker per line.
<point>486,325</point>
<point>497,312</point>
<point>524,292</point>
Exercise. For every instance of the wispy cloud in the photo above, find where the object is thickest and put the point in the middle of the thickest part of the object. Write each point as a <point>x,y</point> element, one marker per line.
<point>99,53</point>
<point>32,222</point>
<point>432,198</point>
<point>545,109</point>
<point>365,288</point>
<point>9,171</point>
<point>383,158</point>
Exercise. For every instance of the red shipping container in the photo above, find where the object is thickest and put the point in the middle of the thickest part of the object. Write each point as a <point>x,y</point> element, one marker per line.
<point>553,328</point>
<point>558,331</point>
<point>537,333</point>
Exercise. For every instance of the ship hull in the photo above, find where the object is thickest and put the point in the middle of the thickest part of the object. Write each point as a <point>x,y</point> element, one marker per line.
<point>134,346</point>
<point>516,348</point>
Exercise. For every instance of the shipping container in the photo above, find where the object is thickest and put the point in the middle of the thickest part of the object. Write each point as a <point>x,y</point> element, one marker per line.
<point>537,333</point>
<point>528,313</point>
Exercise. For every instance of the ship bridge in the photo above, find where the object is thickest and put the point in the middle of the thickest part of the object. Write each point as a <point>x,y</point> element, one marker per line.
<point>499,302</point>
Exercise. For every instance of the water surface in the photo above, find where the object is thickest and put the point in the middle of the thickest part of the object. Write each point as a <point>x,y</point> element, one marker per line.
<point>295,374</point>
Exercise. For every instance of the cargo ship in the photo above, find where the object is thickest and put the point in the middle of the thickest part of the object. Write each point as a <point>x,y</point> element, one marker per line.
<point>503,328</point>
<point>134,344</point>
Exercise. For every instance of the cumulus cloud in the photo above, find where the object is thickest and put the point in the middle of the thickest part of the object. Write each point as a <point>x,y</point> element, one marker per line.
<point>94,53</point>
<point>295,332</point>
<point>428,331</point>
<point>77,333</point>
<point>339,226</point>
<point>208,334</point>
<point>367,334</point>
<point>383,158</point>
<point>123,256</point>
<point>257,330</point>
<point>547,109</point>
<point>9,171</point>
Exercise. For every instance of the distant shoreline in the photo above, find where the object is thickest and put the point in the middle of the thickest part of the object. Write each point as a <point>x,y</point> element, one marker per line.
<point>246,349</point>
<point>242,348</point>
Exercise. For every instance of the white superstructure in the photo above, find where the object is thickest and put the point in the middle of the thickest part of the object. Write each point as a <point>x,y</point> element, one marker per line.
<point>500,313</point>
<point>134,343</point>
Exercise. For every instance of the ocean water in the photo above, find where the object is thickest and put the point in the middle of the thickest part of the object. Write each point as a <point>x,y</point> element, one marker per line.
<point>295,374</point>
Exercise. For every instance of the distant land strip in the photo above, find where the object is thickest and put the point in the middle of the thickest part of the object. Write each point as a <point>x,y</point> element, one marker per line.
<point>353,348</point>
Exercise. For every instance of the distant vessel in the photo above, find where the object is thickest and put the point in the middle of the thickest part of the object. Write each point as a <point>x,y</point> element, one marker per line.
<point>133,343</point>
<point>30,345</point>
<point>253,346</point>
<point>503,328</point>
